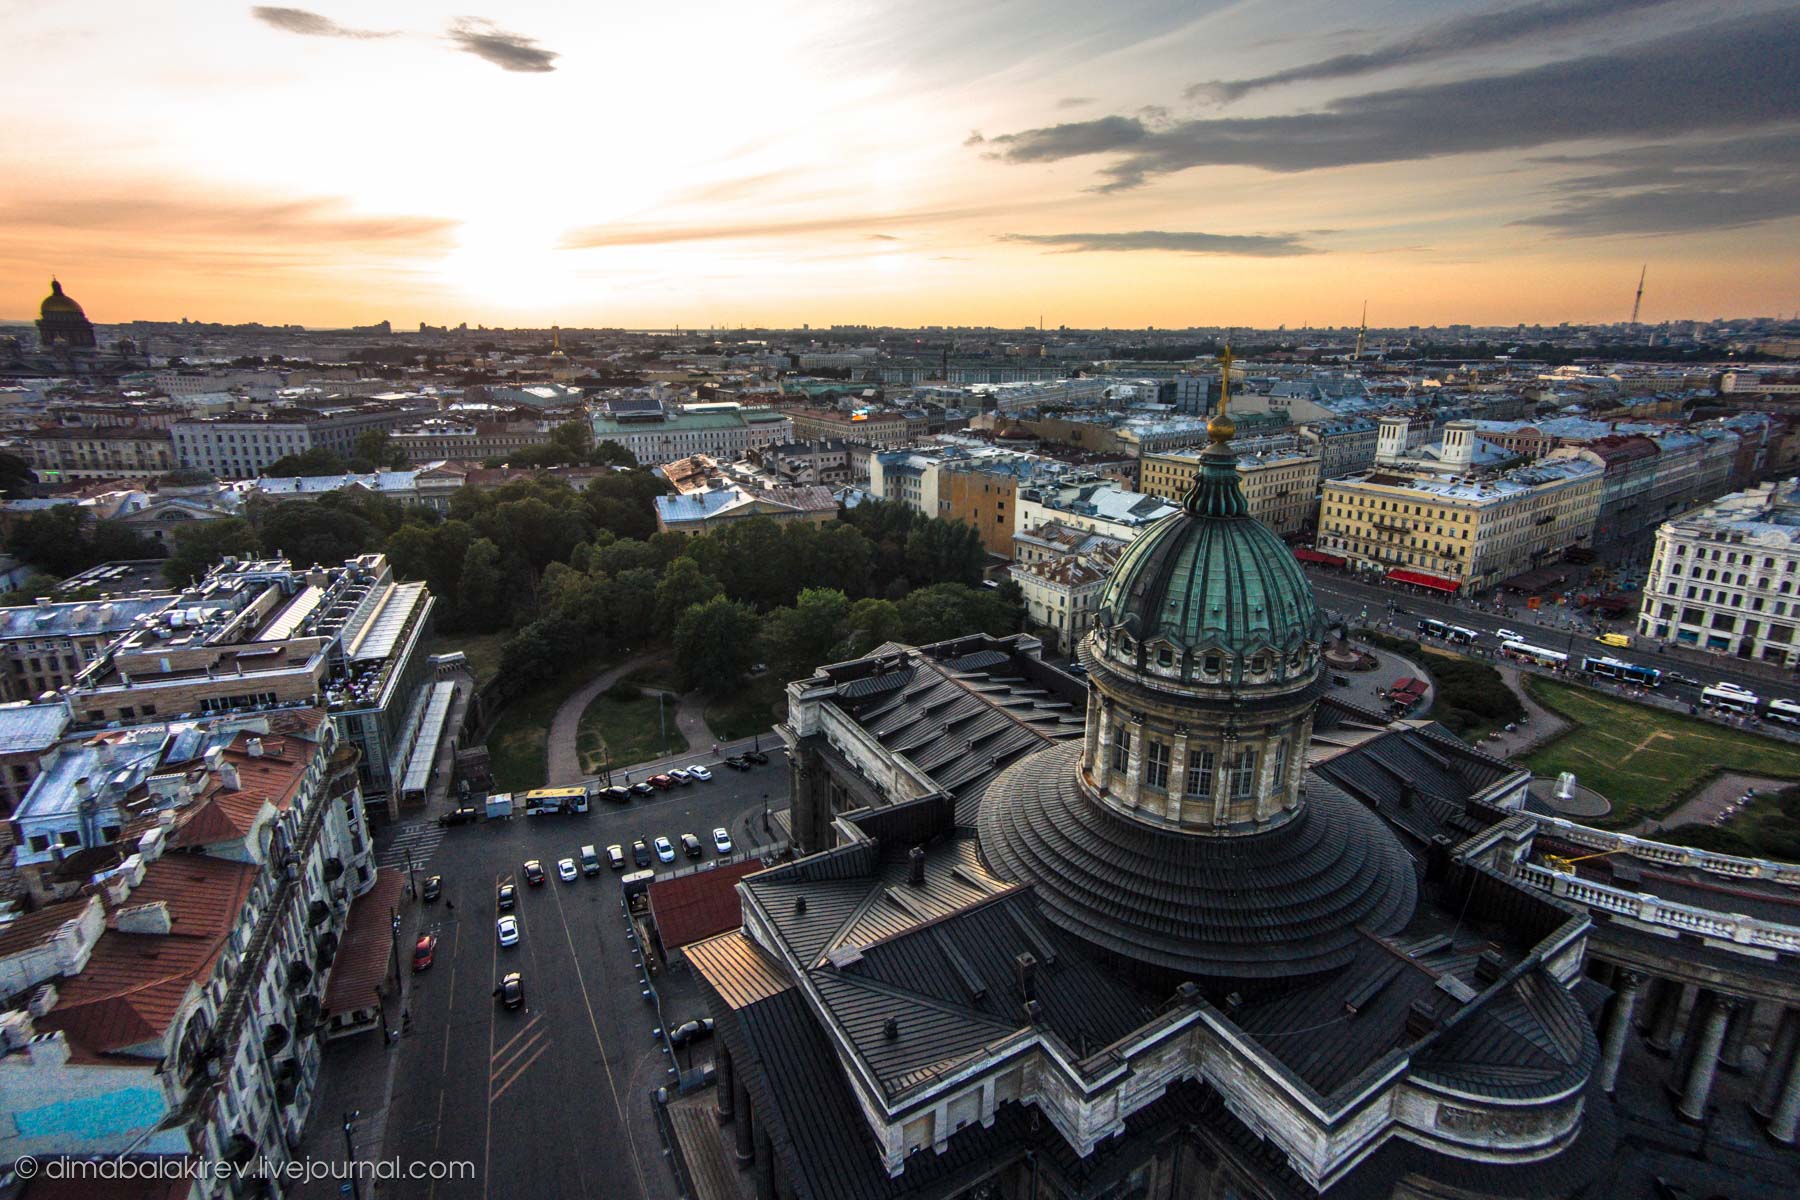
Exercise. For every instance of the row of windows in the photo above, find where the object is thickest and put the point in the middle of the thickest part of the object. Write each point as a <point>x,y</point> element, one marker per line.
<point>1201,767</point>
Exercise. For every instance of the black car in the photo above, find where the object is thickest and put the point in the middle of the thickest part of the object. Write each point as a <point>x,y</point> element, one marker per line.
<point>460,816</point>
<point>616,794</point>
<point>690,846</point>
<point>511,990</point>
<point>643,787</point>
<point>692,1031</point>
<point>434,887</point>
<point>756,756</point>
<point>640,853</point>
<point>505,897</point>
<point>738,762</point>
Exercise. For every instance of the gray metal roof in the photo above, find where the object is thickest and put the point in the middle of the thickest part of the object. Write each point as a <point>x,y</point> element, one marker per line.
<point>28,728</point>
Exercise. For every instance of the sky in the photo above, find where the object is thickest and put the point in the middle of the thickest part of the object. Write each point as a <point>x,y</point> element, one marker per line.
<point>771,162</point>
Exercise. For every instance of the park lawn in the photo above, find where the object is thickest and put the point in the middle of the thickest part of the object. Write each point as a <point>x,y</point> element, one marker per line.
<point>627,731</point>
<point>751,709</point>
<point>658,674</point>
<point>519,745</point>
<point>1645,760</point>
<point>483,650</point>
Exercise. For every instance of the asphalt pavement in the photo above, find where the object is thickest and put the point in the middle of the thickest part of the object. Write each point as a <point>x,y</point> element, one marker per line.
<point>552,1098</point>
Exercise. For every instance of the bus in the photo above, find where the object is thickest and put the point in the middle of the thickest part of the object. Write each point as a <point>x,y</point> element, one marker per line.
<point>556,800</point>
<point>1785,711</point>
<point>1624,672</point>
<point>1459,634</point>
<point>1556,660</point>
<point>1731,697</point>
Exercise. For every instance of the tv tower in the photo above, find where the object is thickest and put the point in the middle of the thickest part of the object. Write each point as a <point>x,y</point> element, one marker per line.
<point>1639,302</point>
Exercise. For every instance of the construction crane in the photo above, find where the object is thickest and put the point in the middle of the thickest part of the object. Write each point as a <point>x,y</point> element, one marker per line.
<point>1639,302</point>
<point>1360,333</point>
<point>1564,865</point>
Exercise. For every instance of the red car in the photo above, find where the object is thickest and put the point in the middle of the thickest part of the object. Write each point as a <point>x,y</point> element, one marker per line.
<point>424,951</point>
<point>661,783</point>
<point>534,872</point>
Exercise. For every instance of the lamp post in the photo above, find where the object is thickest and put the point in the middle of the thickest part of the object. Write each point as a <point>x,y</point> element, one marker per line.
<point>396,929</point>
<point>350,1116</point>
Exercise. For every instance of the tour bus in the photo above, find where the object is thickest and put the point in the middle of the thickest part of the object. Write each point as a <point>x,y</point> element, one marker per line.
<point>1785,711</point>
<point>1556,660</point>
<point>555,800</point>
<point>1450,633</point>
<point>1731,696</point>
<point>1624,672</point>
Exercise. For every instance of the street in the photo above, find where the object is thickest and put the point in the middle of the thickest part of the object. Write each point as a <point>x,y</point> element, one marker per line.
<point>554,1096</point>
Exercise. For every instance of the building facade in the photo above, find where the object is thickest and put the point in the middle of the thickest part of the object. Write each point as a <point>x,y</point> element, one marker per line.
<point>1281,487</point>
<point>63,454</point>
<point>241,447</point>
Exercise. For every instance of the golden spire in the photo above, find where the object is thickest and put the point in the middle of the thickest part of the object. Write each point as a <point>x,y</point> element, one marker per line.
<point>1221,429</point>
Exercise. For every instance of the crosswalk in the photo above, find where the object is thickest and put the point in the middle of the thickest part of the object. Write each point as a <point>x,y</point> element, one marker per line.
<point>413,843</point>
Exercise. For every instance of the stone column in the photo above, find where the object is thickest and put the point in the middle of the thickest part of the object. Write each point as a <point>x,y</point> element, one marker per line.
<point>765,1165</point>
<point>1618,1028</point>
<point>1662,1031</point>
<point>1134,763</point>
<point>1653,1002</point>
<point>1682,1063</point>
<point>1705,1062</point>
<point>1784,1122</point>
<point>725,1094</point>
<point>1103,755</point>
<point>1731,1054</point>
<point>746,1124</point>
<point>1178,756</point>
<point>1776,1069</point>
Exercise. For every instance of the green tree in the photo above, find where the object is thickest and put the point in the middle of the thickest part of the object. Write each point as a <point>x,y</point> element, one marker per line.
<point>873,622</point>
<point>683,585</point>
<point>483,593</point>
<point>316,461</point>
<point>797,640</point>
<point>200,544</point>
<point>16,478</point>
<point>714,644</point>
<point>308,532</point>
<point>611,454</point>
<point>374,451</point>
<point>949,610</point>
<point>573,438</point>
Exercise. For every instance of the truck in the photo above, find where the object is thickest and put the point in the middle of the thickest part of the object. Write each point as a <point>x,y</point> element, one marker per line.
<point>499,804</point>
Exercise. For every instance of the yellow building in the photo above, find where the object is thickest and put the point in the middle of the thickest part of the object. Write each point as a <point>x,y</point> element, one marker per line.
<point>1453,534</point>
<point>1281,487</point>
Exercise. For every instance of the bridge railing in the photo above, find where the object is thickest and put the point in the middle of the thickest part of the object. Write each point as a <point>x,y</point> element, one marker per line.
<point>1653,910</point>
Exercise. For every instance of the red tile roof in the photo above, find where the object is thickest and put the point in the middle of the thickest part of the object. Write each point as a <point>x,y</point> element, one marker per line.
<point>700,905</point>
<point>134,983</point>
<point>367,947</point>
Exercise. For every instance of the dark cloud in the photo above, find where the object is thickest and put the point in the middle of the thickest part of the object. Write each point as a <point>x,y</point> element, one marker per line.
<point>1741,75</point>
<point>310,24</point>
<point>1074,101</point>
<point>1679,187</point>
<point>1281,245</point>
<point>1474,32</point>
<point>508,51</point>
<point>974,138</point>
<point>883,237</point>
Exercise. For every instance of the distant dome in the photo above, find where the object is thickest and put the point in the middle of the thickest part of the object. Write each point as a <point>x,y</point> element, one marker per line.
<point>58,303</point>
<point>1210,596</point>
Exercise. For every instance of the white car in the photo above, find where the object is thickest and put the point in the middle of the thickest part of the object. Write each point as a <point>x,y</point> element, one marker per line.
<point>681,776</point>
<point>565,870</point>
<point>722,840</point>
<point>1506,635</point>
<point>664,851</point>
<point>508,929</point>
<point>700,773</point>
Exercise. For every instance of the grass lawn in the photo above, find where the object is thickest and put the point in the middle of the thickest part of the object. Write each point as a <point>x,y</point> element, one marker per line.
<point>483,650</point>
<point>519,745</point>
<point>658,674</point>
<point>627,730</point>
<point>1643,759</point>
<point>752,709</point>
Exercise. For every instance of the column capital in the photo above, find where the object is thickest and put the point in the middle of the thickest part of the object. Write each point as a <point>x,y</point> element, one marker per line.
<point>1630,980</point>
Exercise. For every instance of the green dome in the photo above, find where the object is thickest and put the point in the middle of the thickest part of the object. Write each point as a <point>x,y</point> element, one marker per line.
<point>1210,596</point>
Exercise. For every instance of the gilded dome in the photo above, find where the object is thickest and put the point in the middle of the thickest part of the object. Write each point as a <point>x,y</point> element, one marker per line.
<point>1210,596</point>
<point>58,303</point>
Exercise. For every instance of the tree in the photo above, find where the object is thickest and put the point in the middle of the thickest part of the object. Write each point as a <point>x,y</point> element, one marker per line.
<point>312,532</point>
<point>16,478</point>
<point>797,640</point>
<point>949,610</point>
<point>483,593</point>
<point>873,622</point>
<point>200,544</point>
<point>611,454</point>
<point>374,451</point>
<point>683,585</point>
<point>573,438</point>
<point>316,461</point>
<point>714,644</point>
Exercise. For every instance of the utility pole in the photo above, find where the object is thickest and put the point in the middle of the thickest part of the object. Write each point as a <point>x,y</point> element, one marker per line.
<point>1639,302</point>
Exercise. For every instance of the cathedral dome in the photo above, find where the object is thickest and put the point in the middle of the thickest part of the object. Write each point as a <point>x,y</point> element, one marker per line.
<point>58,303</point>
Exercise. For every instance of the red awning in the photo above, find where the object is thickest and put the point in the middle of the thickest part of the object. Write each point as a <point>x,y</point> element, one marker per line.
<point>1307,554</point>
<point>1423,580</point>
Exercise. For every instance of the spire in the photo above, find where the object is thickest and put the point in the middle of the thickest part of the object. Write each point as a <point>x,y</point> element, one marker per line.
<point>1216,491</point>
<point>1221,428</point>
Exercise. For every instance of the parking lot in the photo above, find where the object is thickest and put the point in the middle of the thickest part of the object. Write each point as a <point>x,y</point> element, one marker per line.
<point>552,1097</point>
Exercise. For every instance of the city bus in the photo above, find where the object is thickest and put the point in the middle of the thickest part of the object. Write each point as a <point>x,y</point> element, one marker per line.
<point>1731,697</point>
<point>1785,711</point>
<point>1624,672</point>
<point>1556,660</point>
<point>1432,627</point>
<point>555,800</point>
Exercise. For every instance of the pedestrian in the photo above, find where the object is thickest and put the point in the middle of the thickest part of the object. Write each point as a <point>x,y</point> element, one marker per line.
<point>449,905</point>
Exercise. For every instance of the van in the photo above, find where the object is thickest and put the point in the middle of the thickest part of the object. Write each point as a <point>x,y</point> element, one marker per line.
<point>1615,639</point>
<point>590,861</point>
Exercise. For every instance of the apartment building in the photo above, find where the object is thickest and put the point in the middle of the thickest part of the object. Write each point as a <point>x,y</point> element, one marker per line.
<point>67,453</point>
<point>983,493</point>
<point>1451,534</point>
<point>1724,577</point>
<point>241,446</point>
<point>44,646</point>
<point>1344,446</point>
<point>724,431</point>
<point>192,884</point>
<point>1281,487</point>
<point>704,511</point>
<point>1084,501</point>
<point>877,428</point>
<point>452,438</point>
<point>1061,572</point>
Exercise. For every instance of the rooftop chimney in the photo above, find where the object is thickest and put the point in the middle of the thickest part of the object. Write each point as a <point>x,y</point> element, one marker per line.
<point>228,775</point>
<point>254,748</point>
<point>1419,1021</point>
<point>144,918</point>
<point>1025,968</point>
<point>890,1028</point>
<point>915,866</point>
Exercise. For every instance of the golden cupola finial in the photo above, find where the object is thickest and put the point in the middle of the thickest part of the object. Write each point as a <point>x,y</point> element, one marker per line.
<point>1221,429</point>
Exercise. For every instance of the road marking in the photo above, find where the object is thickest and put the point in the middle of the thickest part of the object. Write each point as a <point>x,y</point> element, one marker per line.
<point>498,1068</point>
<point>516,1074</point>
<point>515,1037</point>
<point>594,1025</point>
<point>487,1137</point>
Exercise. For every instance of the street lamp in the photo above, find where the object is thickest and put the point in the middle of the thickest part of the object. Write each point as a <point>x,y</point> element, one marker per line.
<point>350,1116</point>
<point>767,828</point>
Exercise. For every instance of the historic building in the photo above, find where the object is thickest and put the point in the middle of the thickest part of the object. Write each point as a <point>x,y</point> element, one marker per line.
<point>1197,929</point>
<point>62,323</point>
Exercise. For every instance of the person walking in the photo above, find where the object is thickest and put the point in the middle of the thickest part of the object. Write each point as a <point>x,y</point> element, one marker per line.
<point>449,905</point>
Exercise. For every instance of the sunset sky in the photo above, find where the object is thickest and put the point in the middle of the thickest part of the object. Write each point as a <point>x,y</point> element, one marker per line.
<point>933,161</point>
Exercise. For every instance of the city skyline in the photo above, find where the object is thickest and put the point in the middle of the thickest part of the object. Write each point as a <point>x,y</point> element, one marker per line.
<point>1263,164</point>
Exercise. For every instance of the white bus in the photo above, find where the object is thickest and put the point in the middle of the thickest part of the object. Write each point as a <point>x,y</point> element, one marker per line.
<point>1731,697</point>
<point>1556,660</point>
<point>1785,711</point>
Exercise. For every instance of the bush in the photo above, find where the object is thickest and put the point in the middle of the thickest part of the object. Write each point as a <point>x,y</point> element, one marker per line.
<point>1471,696</point>
<point>624,690</point>
<point>1387,641</point>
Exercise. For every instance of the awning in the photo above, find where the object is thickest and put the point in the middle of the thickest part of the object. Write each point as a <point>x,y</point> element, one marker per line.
<point>1540,580</point>
<point>1307,554</point>
<point>366,953</point>
<point>1420,578</point>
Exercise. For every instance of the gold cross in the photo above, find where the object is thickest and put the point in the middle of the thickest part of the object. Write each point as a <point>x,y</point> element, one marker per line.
<point>1226,358</point>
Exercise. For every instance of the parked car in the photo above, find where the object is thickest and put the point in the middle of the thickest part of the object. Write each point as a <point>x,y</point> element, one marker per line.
<point>690,846</point>
<point>700,773</point>
<point>664,851</point>
<point>615,857</point>
<point>680,776</point>
<point>511,990</point>
<point>616,794</point>
<point>640,853</point>
<point>460,816</point>
<point>504,898</point>
<point>661,783</point>
<point>738,762</point>
<point>642,788</point>
<point>507,928</point>
<point>534,872</point>
<point>691,1031</point>
<point>423,951</point>
<point>434,887</point>
<point>565,870</point>
<point>722,840</point>
<point>756,756</point>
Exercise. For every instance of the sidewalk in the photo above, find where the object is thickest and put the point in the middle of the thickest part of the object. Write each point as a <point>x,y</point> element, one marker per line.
<point>564,758</point>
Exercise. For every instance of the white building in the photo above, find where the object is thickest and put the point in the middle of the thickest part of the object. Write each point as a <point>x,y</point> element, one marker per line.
<point>1062,586</point>
<point>1724,576</point>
